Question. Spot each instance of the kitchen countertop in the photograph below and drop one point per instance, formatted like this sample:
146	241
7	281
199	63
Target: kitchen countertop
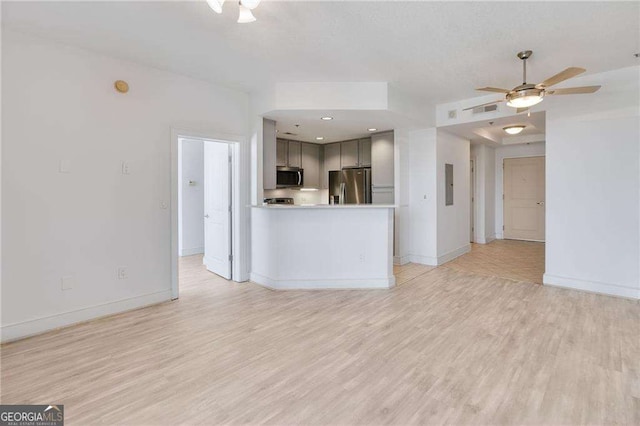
324	206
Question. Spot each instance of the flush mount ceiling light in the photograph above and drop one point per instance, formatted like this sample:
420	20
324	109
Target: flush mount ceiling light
245	7
327	118
372	129
319	138
514	130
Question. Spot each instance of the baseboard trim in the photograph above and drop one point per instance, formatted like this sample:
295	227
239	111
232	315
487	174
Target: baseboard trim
359	284
401	260
591	286
191	251
448	257
423	260
33	327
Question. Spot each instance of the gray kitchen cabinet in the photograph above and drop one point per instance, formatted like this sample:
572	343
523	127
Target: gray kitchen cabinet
295	158
311	164
349	153
282	152
382	168
331	161
364	152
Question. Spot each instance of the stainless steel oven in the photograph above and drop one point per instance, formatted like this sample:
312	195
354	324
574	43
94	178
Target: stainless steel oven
289	177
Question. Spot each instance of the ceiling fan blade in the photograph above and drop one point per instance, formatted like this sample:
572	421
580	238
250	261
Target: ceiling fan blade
573	90
481	105
561	76
493	89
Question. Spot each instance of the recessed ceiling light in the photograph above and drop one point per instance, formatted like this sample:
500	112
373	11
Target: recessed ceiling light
514	130
319	138
372	129
327	118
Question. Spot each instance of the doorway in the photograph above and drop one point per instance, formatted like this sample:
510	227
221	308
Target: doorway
524	198
206	206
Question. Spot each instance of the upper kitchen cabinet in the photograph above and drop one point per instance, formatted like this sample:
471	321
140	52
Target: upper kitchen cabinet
364	152
311	164
282	153
356	153
349	156
331	161
295	159
288	153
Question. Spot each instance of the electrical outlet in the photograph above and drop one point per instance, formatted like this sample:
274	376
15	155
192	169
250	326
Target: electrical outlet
362	258
126	170
122	273
68	282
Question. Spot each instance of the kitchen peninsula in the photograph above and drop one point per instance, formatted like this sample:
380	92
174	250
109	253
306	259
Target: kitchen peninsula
323	246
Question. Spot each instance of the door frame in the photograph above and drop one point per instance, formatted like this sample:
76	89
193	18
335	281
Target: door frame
501	194
473	200
239	193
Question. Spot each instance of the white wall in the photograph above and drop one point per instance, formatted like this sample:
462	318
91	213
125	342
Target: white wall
484	203
59	107
423	197
439	233
593	186
191	197
511	151
402	188
453	221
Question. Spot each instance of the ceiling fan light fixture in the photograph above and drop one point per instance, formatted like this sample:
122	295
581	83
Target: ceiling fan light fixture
245	15
525	98
216	5
250	4
514	130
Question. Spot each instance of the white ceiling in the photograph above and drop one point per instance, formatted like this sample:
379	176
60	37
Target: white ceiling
438	51
491	131
344	126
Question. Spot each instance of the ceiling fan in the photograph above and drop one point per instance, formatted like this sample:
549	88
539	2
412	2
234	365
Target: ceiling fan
527	95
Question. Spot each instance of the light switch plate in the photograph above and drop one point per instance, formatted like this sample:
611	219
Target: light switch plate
68	282
126	170
64	166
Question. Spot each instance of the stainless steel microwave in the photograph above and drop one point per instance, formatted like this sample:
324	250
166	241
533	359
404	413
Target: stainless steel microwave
289	177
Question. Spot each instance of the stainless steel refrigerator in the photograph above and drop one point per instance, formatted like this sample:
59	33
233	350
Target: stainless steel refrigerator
350	186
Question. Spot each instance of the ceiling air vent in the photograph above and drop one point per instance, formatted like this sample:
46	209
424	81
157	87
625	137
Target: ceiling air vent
486	108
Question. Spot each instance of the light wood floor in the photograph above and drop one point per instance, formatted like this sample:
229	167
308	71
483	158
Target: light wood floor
515	260
446	346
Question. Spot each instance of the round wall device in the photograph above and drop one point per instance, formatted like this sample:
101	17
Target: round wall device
121	86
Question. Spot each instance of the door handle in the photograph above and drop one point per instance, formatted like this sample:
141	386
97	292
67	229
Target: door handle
299	178
206	216
540	203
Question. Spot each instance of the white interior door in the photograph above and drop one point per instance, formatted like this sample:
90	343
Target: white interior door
217	208
524	196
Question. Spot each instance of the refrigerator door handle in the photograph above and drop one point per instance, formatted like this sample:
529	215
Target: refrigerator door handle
343	193
367	187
